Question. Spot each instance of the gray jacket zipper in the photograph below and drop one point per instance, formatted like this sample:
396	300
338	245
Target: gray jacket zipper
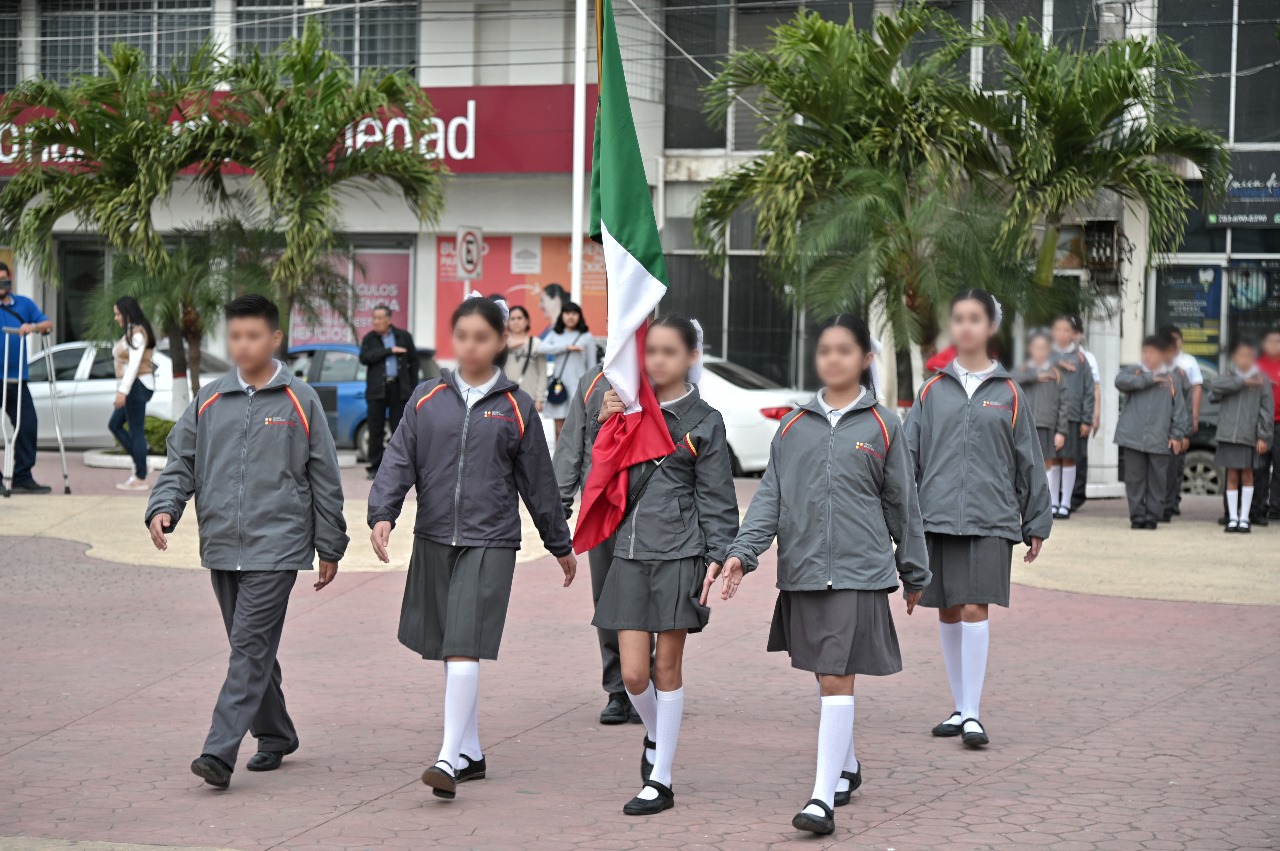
831	442
462	460
968	447
244	456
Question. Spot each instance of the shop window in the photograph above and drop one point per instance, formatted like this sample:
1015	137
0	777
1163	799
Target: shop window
74	32
1199	238
9	30
367	33
1254	299
1255	240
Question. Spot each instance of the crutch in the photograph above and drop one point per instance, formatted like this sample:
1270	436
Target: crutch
57	414
11	439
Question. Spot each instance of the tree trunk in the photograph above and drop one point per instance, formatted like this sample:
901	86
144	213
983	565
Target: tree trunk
193	359
178	357
1048	252
286	314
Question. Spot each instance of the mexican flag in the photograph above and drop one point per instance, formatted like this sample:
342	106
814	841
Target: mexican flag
622	220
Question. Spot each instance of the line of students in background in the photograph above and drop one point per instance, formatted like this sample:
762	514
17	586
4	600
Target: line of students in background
859	503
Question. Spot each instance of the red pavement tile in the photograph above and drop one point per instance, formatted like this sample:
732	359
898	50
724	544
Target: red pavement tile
1117	724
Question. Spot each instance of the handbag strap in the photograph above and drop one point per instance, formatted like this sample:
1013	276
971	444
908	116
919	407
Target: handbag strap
692	419
564	363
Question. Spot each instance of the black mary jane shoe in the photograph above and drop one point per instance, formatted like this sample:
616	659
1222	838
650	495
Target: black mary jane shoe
617	710
638	806
474	770
976	738
442	783
855	780
824	825
1244	528
646	767
212	770
950	727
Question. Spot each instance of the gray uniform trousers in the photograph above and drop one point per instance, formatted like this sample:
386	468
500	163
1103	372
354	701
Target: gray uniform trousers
1266	479
253	604
1146	484
1177	472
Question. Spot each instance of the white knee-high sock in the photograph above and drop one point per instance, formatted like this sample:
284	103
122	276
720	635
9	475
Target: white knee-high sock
670	713
471	736
462	688
952	638
1246	501
1068	485
835	728
1055	484
977	636
646	704
850	756
1233	504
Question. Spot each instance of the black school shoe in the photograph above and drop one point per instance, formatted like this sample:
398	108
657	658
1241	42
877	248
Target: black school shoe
268	760
1260	520
475	769
950	727
30	486
976	738
617	710
646	767
1244	528
638	806
823	825
1135	524
855	780
442	783
212	770
1150	524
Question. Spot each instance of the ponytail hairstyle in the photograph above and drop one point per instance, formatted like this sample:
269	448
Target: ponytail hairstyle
488	310
861	335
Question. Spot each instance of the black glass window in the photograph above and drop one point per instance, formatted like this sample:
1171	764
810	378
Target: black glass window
1198	237
701	27
699	294
1012	12
761	322
9	31
1257	74
1190	23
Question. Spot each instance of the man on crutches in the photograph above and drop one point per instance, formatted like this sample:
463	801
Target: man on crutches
20	313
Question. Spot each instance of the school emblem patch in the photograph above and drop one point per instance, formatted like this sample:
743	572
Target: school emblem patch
279	421
496	415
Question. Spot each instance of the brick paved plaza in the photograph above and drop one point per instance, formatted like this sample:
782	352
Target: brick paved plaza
1117	723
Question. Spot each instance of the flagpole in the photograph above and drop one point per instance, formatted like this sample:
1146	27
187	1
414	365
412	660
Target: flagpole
579	148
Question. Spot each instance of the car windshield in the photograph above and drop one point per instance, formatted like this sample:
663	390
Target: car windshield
209	363
740	376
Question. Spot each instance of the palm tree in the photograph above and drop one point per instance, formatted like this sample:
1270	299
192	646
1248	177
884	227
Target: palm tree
1075	123
287	114
103	150
834	97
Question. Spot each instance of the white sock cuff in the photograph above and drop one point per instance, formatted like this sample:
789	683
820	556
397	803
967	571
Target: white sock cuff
968	626
462	667
649	689
664	696
837	700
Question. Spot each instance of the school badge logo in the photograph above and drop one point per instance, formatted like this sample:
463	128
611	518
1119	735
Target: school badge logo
495	415
279	421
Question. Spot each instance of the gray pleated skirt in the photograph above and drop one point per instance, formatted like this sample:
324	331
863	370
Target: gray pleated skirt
455	600
967	569
1070	447
1235	456
1046	442
836	632
653	596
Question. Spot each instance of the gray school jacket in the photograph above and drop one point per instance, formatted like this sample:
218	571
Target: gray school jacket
1048	400
1245	414
572	460
1184	387
469	466
264	474
838	499
1079	385
689	507
1154	412
978	466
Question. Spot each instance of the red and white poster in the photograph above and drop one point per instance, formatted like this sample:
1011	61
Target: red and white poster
377	277
531	271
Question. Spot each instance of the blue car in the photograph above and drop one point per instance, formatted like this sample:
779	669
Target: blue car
335	371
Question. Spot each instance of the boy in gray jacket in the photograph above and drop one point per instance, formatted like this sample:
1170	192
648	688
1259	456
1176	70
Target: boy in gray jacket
1150	429
254	450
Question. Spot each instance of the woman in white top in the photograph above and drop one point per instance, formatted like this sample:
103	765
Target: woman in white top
134	388
575	353
526	364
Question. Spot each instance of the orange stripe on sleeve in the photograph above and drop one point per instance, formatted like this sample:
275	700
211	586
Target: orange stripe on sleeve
297	406
207	403
688	441
592	388
431	393
924	391
1014	390
519	416
791	423
884	429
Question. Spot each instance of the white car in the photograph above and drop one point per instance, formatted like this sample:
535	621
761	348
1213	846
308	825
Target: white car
86	377
752	407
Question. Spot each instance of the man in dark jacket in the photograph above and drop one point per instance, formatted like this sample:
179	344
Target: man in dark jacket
392	361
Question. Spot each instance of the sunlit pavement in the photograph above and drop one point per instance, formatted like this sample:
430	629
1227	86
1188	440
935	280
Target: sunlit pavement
1117	723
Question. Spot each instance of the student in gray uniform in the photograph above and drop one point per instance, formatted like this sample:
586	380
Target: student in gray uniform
1046	394
471	445
1074	366
1244	395
1150	428
1177	460
573	463
681	515
839	496
980	477
254	450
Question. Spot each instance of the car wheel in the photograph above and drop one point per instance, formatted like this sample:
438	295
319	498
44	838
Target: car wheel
1201	477
362	444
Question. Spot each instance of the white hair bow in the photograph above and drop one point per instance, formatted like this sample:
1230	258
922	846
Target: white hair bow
695	374
999	312
498	300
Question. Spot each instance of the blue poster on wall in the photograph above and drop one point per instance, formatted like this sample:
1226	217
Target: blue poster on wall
1254	292
1190	298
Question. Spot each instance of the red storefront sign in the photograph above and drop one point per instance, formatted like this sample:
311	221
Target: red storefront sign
378	277
476	130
